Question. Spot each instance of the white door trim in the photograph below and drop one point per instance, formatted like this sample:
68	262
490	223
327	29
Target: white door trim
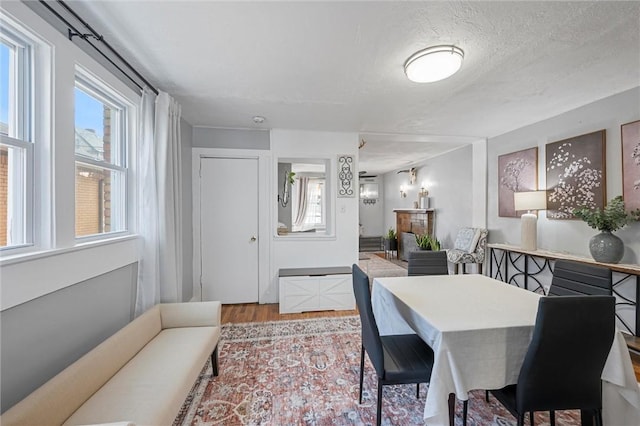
266	294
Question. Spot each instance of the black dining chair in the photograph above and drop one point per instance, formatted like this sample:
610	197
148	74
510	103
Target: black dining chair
578	279
397	359
557	372
427	262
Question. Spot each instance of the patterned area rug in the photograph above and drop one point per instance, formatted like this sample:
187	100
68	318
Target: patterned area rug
306	372
375	266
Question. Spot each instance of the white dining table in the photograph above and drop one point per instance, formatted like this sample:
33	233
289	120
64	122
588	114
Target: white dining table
480	329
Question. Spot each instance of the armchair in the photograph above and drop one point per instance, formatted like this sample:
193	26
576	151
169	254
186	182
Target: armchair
470	247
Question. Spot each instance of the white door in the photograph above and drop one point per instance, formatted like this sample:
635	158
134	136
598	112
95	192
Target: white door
229	229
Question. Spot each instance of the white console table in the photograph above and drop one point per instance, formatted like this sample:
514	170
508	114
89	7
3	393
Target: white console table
315	289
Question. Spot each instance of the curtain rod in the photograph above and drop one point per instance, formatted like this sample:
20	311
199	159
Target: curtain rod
73	32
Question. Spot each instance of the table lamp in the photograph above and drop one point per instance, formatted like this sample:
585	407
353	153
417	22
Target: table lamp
529	201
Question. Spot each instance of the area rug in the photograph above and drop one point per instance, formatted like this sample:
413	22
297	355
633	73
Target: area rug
376	267
306	372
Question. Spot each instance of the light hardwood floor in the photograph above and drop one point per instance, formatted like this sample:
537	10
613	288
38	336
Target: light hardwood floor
253	312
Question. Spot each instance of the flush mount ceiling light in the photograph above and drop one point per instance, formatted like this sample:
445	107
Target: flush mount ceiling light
258	119
433	64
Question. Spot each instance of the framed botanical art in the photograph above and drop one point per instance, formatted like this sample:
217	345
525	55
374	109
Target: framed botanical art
517	171
631	164
575	174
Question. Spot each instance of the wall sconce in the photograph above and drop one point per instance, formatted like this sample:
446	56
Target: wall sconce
403	193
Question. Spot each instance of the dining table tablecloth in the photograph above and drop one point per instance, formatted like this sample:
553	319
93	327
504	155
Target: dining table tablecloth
480	329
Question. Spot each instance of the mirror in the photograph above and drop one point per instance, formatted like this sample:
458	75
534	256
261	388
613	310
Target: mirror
369	191
303	194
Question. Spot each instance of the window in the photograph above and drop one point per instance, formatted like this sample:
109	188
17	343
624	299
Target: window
101	159
313	210
16	144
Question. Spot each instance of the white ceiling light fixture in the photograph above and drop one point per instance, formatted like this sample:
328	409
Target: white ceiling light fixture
433	63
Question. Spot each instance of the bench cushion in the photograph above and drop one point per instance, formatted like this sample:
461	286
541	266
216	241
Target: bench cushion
151	388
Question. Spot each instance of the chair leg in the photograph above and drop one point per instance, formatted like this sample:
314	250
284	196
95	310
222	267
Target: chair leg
379	408
361	372
480	268
599	418
530	418
465	409
214	361
452	409
486	396
552	418
521	419
417	390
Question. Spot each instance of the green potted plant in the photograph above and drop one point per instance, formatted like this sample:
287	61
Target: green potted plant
290	177
427	242
391	240
606	247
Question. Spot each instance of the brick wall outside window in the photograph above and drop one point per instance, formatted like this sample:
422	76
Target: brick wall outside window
93	191
88	194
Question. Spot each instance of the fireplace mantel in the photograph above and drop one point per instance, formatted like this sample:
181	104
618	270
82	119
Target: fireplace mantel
417	221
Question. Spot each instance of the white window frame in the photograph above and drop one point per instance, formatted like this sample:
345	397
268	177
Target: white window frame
119	163
20	141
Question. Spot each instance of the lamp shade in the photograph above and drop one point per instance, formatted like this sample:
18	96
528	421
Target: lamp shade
530	200
433	64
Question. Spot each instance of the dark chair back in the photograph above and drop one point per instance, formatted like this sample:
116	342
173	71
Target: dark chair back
563	365
426	262
578	279
370	334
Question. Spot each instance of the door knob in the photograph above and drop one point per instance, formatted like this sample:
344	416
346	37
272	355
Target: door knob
253	239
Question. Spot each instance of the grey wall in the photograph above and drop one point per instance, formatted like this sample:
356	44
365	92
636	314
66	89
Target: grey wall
43	336
448	179
186	137
570	236
208	137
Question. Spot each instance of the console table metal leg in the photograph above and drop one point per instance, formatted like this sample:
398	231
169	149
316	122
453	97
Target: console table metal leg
637	330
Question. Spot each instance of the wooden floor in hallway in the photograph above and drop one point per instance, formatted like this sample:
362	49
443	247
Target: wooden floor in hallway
254	312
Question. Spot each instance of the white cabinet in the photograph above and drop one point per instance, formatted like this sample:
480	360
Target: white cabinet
316	289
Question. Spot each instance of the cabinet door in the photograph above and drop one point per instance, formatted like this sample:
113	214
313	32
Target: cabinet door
336	292
298	294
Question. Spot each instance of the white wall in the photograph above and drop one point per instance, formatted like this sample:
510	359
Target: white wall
448	178
570	236
371	216
341	249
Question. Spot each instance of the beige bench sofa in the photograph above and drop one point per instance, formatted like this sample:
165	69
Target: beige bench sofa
142	374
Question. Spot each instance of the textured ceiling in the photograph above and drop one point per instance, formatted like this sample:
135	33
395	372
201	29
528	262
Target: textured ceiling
338	65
